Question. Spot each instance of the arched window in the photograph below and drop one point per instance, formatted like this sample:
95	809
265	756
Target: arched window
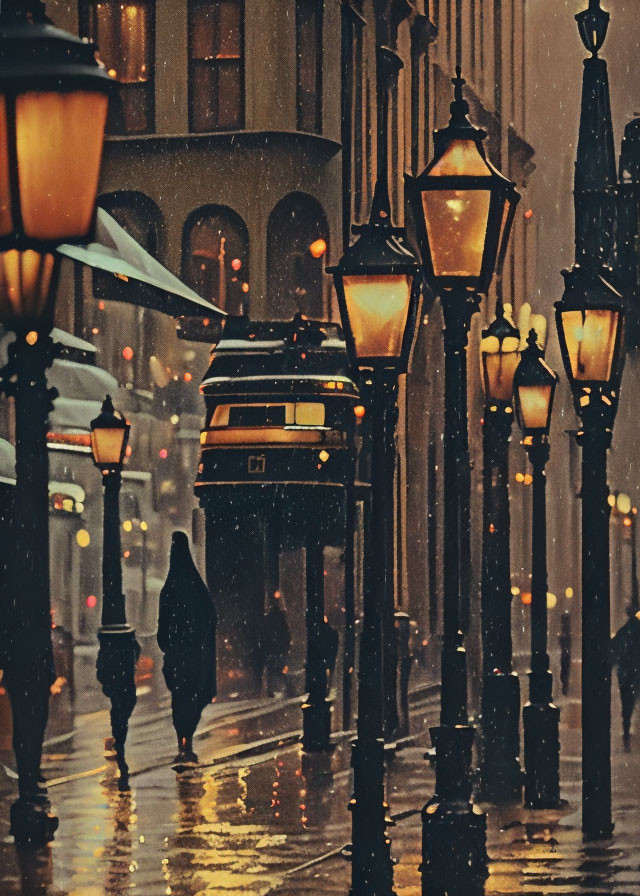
124	33
297	245
309	65
216	64
215	257
125	336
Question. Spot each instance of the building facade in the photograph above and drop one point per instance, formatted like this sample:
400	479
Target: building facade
240	148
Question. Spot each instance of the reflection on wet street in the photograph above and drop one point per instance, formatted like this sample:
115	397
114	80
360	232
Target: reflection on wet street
258	818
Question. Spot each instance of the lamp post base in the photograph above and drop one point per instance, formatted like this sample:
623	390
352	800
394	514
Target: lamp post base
454	831
541	755
372	865
500	772
316	726
32	823
115	666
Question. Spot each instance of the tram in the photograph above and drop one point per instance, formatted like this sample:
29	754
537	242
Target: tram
277	454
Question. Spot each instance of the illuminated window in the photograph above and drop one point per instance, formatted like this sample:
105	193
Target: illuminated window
309	65
216	63
124	34
295	278
216	257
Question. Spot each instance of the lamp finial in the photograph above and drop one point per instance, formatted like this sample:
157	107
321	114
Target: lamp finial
459	107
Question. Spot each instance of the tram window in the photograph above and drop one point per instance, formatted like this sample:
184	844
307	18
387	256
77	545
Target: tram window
257	415
309	413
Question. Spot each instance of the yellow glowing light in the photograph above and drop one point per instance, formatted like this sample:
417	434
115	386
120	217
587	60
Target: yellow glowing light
32	337
143	526
552	600
127	525
324	456
83	538
175	419
519	477
624	503
318	248
611	500
515	591
528	478
568	592
378	308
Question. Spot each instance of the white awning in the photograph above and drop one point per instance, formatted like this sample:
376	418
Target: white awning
129	274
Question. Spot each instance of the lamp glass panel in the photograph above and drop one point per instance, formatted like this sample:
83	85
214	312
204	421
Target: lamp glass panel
499	368
59	146
378	306
460	158
107	444
533	406
590	338
25	281
6	218
456	223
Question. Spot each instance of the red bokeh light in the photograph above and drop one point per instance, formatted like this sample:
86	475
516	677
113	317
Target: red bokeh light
92	600
236	264
127	353
187	377
128	451
359	411
163	453
318	248
528	214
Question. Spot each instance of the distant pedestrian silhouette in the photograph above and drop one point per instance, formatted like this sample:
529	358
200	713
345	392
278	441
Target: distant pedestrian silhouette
564	640
275	642
625	654
187	637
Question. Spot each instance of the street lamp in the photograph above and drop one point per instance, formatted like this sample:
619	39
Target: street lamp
378	282
119	650
53	104
501	775
590	322
463	209
534	387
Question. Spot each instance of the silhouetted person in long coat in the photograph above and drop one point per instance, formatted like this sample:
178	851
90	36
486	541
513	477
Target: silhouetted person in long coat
187	637
625	654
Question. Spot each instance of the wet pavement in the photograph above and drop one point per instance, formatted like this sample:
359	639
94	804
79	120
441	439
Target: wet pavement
257	819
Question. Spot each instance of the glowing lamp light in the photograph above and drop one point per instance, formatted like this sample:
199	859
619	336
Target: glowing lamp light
127	526
525	597
534	385
318	248
53	108
83	538
163	453
623	503
528	214
359	410
378	284
127	353
187	377
552	600
499	357
627	521
590	323
91	601
236	264
568	592
109	437
462	205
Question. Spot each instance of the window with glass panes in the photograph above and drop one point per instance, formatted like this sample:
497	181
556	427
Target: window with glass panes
124	35
216	257
309	65
216	64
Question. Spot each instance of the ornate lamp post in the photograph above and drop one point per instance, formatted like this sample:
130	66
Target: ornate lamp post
501	775
589	319
53	96
378	283
534	387
119	650
590	327
463	209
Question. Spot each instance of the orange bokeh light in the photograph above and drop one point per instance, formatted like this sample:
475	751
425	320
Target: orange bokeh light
318	248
